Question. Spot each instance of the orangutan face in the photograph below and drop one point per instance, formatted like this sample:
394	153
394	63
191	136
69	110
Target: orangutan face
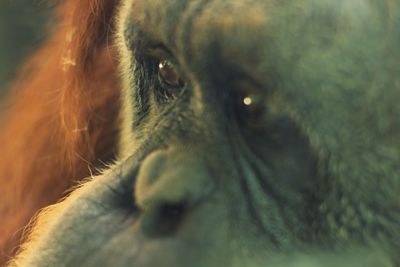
255	133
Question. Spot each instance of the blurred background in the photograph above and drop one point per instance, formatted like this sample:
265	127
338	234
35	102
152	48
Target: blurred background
23	26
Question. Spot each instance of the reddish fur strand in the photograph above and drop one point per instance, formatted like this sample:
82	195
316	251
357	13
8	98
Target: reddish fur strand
62	120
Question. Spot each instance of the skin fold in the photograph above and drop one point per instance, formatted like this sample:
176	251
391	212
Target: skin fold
306	175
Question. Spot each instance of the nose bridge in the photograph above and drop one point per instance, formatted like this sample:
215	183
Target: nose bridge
170	177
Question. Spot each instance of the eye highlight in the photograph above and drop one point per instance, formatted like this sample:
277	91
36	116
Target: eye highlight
247	101
250	109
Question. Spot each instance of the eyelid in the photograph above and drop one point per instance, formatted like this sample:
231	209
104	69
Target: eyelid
159	52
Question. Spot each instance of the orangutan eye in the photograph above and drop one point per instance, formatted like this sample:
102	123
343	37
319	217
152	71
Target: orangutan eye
250	108
168	73
170	78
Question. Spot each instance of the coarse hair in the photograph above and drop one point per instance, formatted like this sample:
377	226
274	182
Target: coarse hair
61	119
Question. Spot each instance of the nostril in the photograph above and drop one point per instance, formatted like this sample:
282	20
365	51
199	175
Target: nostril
163	220
172	212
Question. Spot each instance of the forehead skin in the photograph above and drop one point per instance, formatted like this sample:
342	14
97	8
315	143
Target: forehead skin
249	29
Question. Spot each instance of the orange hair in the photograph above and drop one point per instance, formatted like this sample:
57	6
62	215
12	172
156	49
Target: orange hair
61	120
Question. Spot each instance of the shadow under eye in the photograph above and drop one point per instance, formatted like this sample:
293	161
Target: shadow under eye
282	138
283	123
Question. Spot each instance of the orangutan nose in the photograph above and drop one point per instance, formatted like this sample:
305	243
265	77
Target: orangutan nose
169	183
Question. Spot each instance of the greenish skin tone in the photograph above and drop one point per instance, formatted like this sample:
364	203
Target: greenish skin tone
312	181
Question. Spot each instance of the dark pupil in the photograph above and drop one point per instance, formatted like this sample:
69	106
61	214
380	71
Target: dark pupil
168	73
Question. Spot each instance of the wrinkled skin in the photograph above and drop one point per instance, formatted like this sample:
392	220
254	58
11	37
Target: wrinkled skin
206	181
